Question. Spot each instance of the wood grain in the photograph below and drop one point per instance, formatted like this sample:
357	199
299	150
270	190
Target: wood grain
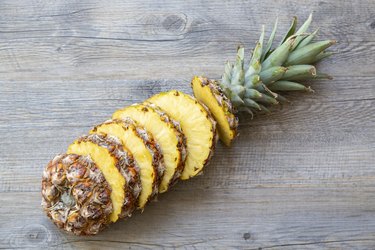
41	40
301	178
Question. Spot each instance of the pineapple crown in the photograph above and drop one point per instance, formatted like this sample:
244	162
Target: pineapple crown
255	86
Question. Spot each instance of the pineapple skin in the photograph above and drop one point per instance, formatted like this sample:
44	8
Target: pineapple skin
75	194
123	163
157	156
182	107
174	162
210	94
153	168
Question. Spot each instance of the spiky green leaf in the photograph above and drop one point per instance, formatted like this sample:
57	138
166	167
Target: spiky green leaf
307	54
252	104
287	86
272	74
291	30
322	55
299	72
278	57
302	30
270	41
307	40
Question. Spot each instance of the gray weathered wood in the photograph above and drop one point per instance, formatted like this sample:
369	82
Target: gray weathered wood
303	177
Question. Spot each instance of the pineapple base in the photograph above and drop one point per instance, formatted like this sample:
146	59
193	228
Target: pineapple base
75	194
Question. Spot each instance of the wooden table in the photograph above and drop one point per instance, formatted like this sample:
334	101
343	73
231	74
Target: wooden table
301	178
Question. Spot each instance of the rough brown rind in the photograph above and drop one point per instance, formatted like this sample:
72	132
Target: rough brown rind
125	164
215	133
75	194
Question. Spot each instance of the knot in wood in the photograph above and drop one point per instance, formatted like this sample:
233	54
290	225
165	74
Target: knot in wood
174	22
246	236
30	236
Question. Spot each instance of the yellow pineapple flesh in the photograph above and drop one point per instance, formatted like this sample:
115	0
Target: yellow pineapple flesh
132	142
197	125
165	135
209	93
112	161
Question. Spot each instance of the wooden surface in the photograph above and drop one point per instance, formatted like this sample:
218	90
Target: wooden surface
302	178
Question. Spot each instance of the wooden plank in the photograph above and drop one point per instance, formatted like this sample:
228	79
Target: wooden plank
55	113
92	40
207	218
285	181
302	178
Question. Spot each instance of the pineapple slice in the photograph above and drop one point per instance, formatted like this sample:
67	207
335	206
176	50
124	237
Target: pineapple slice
197	125
165	133
210	94
131	139
118	168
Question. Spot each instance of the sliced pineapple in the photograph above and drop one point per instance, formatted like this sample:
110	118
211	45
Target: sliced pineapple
167	136
139	147
197	125
180	137
118	168
210	94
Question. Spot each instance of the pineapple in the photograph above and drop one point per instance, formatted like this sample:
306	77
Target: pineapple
197	125
75	194
145	152
98	180
255	86
166	134
118	168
